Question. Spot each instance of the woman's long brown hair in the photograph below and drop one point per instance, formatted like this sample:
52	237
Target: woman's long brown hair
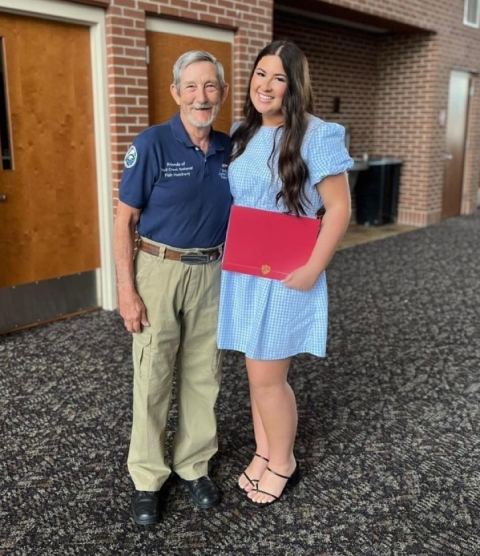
297	104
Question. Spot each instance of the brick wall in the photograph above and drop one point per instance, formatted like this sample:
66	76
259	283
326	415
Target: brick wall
405	117
392	89
342	65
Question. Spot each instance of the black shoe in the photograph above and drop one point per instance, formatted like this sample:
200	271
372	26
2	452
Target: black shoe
203	492
145	507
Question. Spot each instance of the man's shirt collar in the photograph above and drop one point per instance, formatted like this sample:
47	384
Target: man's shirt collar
180	134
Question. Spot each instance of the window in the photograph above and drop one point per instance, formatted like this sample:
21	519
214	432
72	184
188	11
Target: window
471	16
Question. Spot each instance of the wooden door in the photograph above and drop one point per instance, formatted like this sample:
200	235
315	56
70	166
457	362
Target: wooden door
164	50
49	237
457	125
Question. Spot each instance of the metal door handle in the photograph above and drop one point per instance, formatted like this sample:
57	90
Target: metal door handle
3	198
447	156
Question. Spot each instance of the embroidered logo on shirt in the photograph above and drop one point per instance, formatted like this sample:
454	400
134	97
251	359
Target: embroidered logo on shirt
177	170
223	173
131	157
265	269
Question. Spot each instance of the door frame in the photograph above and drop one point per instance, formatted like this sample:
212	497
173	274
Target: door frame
94	18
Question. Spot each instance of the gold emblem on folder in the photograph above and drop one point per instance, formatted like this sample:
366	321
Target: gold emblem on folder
265	269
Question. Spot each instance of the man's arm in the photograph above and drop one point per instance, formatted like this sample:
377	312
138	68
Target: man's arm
130	304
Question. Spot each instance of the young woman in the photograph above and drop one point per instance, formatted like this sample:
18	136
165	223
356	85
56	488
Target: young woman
284	159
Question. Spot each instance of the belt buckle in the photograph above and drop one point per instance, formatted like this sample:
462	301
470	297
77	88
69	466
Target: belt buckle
194	257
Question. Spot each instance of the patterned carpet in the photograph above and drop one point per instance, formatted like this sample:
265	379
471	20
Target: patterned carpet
389	431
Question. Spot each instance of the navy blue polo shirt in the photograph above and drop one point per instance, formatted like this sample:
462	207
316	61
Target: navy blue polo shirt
182	192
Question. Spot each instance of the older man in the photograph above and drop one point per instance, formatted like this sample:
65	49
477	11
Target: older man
174	192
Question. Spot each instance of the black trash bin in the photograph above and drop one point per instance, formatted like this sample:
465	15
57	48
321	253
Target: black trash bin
377	190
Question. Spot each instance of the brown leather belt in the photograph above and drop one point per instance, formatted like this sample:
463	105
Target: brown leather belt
192	256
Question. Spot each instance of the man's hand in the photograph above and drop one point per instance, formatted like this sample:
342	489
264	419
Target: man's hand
133	312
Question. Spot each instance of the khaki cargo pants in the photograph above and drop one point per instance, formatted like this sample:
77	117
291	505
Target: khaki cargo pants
182	308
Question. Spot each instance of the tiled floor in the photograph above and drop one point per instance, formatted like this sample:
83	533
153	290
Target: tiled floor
357	233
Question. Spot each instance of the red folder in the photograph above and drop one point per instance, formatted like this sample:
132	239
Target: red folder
268	244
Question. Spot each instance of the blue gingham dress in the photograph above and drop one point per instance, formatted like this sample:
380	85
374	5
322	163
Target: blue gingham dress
259	316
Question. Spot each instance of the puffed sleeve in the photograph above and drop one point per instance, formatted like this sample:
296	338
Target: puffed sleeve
326	154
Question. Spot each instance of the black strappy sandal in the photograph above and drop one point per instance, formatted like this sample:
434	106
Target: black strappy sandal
253	482
292	481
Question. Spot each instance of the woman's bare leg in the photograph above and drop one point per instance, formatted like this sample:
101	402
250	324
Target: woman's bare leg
257	465
277	410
